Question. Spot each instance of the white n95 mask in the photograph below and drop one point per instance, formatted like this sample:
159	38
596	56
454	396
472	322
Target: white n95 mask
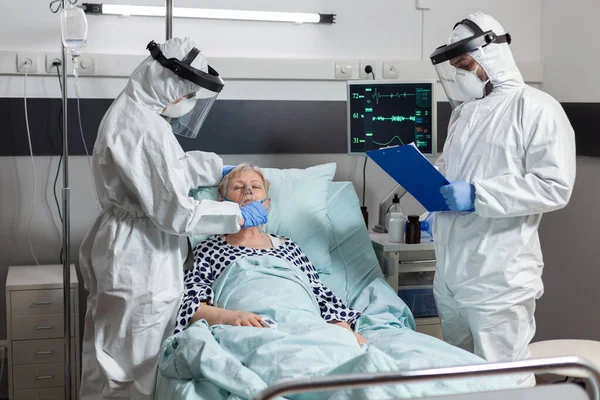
469	83
180	108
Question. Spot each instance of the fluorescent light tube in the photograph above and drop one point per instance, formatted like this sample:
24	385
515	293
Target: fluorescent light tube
206	13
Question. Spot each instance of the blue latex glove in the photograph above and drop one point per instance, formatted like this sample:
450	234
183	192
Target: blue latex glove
460	196
227	169
254	214
427	224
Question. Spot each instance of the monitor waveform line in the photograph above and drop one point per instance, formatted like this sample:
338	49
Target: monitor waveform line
395	118
377	95
390	141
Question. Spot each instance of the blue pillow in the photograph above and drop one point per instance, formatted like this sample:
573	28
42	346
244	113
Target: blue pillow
298	209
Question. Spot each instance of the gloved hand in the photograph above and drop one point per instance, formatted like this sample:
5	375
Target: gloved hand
427	224
460	196
227	169
254	214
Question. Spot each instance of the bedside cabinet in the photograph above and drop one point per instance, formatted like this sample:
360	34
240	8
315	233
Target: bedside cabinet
35	330
409	270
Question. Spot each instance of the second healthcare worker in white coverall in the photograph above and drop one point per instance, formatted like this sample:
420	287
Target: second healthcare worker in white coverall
132	260
510	157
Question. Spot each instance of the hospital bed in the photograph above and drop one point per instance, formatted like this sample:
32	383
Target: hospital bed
354	269
543	392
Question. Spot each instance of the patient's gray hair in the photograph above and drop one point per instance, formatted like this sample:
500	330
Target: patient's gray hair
241	168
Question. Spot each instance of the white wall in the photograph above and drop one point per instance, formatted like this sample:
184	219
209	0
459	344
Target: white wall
378	29
570	62
381	29
570	236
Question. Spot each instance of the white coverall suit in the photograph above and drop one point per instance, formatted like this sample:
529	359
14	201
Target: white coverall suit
517	147
132	258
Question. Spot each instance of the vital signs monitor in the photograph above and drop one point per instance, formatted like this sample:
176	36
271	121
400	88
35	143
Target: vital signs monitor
390	113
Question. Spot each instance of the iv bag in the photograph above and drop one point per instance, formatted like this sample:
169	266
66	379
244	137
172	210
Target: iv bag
74	28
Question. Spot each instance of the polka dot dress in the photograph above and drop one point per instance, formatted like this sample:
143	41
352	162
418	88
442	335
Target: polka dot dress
212	256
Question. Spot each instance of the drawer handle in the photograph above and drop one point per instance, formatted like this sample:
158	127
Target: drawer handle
43	327
45	377
44	353
418	262
42	303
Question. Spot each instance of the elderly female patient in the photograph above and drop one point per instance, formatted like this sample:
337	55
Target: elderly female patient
246	184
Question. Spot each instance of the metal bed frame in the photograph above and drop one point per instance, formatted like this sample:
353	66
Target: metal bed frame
349	381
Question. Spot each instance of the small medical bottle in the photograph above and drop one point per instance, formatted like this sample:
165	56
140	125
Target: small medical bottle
396	227
394	207
413	230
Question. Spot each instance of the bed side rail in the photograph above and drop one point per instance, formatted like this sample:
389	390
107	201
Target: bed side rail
350	381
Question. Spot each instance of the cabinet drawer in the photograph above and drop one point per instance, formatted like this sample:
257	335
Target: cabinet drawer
41	351
416	266
39	326
44	394
40	376
35	302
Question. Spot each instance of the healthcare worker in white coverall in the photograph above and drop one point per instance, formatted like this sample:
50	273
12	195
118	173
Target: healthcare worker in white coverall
510	157
132	259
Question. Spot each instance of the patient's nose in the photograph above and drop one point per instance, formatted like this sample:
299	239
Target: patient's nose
248	191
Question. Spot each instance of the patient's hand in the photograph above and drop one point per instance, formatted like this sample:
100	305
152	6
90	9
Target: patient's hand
215	315
361	340
241	318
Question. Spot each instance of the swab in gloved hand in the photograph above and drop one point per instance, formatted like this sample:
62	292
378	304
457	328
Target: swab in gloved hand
254	214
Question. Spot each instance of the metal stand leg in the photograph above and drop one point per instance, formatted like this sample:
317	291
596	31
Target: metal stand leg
66	229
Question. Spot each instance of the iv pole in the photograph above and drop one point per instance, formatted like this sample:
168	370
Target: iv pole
66	227
66	192
169	18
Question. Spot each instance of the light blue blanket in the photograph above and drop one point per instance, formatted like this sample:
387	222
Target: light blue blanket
228	362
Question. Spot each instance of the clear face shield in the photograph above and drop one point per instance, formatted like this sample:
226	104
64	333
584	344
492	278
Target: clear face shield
187	116
461	85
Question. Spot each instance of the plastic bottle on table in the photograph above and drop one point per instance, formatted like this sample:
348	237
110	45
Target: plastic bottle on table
396	227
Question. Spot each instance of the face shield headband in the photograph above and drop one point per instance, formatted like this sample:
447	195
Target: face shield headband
209	81
479	39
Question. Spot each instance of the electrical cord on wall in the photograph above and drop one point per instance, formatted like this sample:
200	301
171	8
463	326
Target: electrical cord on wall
60	129
369	70
363	209
365	213
27	64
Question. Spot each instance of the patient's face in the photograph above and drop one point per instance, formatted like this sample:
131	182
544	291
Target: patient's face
246	188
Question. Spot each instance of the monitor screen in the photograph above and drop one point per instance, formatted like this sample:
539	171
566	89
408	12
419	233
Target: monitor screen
383	114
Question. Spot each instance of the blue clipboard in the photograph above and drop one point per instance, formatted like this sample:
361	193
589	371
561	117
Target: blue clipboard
407	165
